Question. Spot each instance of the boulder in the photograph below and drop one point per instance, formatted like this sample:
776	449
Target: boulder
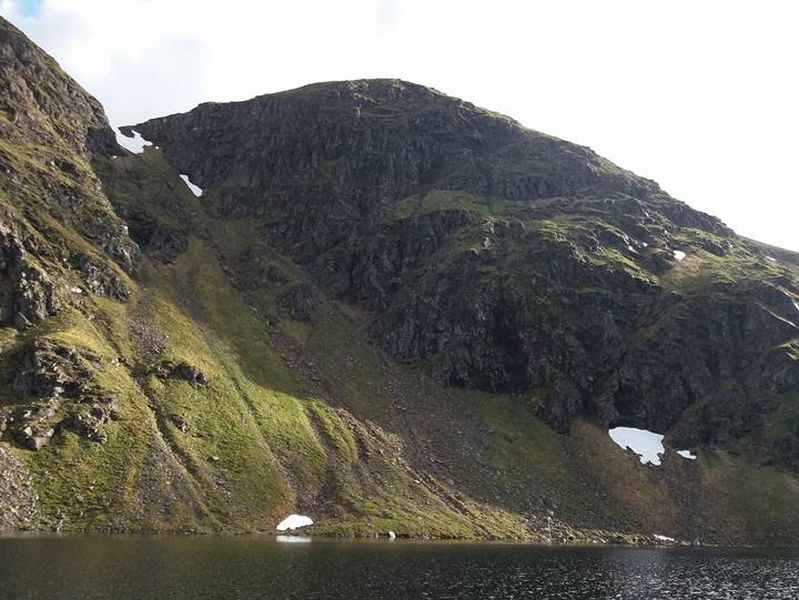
34	439
183	371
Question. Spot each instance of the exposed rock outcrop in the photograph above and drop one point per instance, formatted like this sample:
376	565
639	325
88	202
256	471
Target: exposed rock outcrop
62	393
183	371
27	294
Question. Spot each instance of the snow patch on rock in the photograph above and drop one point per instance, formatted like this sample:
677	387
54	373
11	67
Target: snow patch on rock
646	444
195	189
679	254
294	522
135	143
687	454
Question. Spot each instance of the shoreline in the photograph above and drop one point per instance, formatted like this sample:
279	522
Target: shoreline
643	543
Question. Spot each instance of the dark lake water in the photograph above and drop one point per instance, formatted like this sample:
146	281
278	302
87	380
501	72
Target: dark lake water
68	568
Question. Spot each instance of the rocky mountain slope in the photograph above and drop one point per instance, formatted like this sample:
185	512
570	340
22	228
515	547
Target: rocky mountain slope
388	309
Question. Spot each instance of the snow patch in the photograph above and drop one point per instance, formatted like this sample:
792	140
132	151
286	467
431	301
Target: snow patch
687	454
663	538
630	248
196	190
771	258
646	444
294	522
135	143
646	244
679	254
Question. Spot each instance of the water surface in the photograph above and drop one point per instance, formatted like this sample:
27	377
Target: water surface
263	568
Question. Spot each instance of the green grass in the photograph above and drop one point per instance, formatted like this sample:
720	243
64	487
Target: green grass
531	459
750	501
440	200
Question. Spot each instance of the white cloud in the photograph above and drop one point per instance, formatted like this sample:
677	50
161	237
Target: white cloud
697	95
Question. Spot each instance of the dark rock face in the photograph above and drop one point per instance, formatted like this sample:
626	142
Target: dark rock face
48	370
504	259
164	243
36	91
593	338
99	278
27	295
328	159
42	107
369	272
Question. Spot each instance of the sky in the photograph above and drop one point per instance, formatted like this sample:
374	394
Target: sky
699	95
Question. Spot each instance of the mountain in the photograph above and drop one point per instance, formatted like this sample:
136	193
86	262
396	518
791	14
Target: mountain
384	308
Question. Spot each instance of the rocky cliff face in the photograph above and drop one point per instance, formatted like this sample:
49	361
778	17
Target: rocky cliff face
49	129
389	309
59	239
504	259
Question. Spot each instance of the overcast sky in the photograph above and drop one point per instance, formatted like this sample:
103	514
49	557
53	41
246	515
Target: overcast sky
700	95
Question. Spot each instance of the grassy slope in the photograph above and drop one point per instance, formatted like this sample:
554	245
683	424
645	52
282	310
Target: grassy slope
240	453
